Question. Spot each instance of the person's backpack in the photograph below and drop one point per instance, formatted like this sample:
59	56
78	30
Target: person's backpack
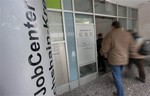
145	48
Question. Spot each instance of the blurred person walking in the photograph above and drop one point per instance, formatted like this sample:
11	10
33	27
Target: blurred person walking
116	46
136	58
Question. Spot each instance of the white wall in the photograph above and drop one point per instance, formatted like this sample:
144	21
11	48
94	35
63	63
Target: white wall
144	20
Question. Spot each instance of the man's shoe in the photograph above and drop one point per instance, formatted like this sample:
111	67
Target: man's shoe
115	93
140	79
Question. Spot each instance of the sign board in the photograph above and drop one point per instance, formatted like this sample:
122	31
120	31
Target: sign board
26	55
85	44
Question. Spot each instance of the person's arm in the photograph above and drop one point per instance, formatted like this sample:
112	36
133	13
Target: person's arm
132	47
105	45
140	41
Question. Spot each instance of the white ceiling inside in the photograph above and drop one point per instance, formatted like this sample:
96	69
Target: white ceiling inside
130	3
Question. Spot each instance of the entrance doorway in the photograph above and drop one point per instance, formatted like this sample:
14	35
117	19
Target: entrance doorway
103	26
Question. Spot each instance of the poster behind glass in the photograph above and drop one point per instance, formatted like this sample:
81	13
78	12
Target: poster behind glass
85	44
60	64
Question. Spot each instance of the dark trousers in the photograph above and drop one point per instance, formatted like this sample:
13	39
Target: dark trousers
140	65
101	63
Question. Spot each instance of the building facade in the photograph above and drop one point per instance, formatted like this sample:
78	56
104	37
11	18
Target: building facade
73	25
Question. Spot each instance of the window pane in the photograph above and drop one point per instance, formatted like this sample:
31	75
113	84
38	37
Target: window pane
67	4
86	19
83	5
123	22
55	26
135	26
105	8
122	11
132	13
132	24
135	13
60	65
99	7
87	69
56	4
69	22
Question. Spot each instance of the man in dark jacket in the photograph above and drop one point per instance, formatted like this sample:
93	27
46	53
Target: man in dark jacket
101	61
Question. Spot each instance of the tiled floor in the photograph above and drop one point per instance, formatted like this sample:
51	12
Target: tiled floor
104	85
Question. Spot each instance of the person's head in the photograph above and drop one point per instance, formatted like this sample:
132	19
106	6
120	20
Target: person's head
135	35
99	35
116	24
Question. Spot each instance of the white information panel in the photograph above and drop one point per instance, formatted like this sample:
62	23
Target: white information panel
60	64
85	44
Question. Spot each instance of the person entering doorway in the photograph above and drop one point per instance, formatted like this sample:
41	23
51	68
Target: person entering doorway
101	59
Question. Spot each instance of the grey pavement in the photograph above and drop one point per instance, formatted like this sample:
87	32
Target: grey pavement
104	85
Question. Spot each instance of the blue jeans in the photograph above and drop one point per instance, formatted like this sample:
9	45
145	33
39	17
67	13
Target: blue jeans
117	75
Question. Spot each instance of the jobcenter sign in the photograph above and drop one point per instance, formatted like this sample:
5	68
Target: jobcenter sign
26	55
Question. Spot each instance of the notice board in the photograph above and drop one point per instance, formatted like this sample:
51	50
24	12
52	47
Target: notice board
85	44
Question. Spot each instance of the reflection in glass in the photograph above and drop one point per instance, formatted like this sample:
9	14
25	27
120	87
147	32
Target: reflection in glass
67	4
60	65
108	8
85	19
55	26
83	5
123	22
122	11
87	69
70	33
